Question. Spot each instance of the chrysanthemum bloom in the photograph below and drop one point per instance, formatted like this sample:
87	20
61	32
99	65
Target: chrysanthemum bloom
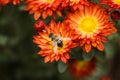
15	2
115	15
55	42
112	3
75	4
4	2
92	25
42	8
81	69
105	78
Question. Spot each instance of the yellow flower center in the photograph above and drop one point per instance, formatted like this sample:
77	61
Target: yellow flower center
82	64
50	1
88	25
117	1
74	1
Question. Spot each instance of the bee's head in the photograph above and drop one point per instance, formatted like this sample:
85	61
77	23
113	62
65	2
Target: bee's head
50	35
60	43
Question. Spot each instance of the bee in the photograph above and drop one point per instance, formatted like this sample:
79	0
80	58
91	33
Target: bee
56	40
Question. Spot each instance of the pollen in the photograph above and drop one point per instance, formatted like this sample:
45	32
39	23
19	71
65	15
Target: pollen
88	25
48	0
81	64
117	1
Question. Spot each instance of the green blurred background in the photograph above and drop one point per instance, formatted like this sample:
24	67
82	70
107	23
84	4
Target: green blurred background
18	54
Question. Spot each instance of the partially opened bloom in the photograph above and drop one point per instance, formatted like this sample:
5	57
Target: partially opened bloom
112	3
81	69
115	15
39	25
92	25
42	8
75	4
55	42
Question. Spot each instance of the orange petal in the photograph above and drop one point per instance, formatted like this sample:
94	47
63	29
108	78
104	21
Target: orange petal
57	58
28	7
66	55
37	15
52	59
63	59
94	44
44	15
100	46
14	2
87	47
103	39
59	13
46	59
114	29
49	12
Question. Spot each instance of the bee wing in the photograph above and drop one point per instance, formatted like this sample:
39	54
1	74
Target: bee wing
55	46
65	38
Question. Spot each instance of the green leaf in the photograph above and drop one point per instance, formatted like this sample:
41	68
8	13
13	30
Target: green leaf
109	50
3	40
113	36
62	67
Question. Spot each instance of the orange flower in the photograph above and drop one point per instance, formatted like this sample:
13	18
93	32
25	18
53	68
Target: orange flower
55	42
75	4
105	78
42	7
112	3
4	2
81	69
15	2
92	25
